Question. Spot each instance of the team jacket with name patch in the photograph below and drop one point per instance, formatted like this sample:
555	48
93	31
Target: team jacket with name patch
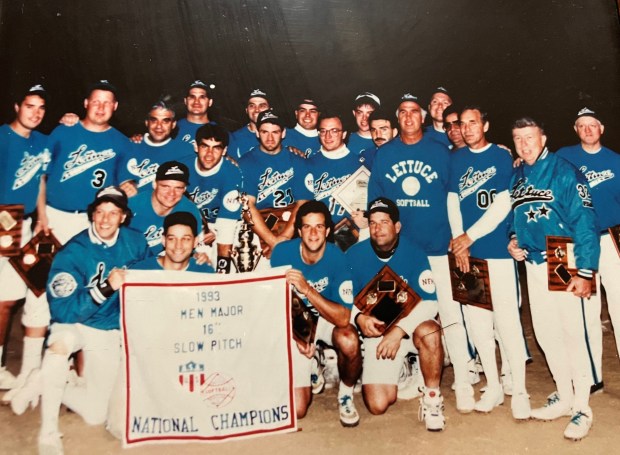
552	197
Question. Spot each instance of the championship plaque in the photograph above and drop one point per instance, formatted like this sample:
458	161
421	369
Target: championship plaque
11	219
276	220
387	297
473	287
352	194
345	234
561	266
614	231
304	321
35	260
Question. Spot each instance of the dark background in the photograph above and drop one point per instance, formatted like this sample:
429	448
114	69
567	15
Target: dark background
545	58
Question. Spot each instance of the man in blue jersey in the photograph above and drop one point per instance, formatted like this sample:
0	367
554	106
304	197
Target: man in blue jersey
601	167
440	99
215	183
417	332
246	137
478	206
82	291
24	156
331	167
84	160
320	276
414	171
363	106
137	168
198	101
273	178
304	136
151	207
550	197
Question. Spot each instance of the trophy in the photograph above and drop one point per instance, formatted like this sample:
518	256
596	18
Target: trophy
387	297
561	266
35	261
303	321
473	287
11	219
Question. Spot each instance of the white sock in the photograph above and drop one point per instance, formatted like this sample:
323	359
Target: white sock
344	389
54	369
31	358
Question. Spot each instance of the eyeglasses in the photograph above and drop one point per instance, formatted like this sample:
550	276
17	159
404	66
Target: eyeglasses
447	126
332	131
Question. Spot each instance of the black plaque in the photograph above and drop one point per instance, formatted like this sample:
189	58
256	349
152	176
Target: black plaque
304	321
473	287
35	260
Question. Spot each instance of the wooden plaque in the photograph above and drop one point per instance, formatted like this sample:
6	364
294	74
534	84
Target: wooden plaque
614	231
35	260
11	220
473	287
345	234
561	265
387	297
276	220
303	321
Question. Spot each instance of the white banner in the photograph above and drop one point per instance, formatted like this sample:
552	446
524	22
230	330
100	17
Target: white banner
207	357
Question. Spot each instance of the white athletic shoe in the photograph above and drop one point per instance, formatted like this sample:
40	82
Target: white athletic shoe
29	394
51	444
431	410
349	416
465	401
317	379
553	409
410	379
579	425
19	383
7	380
491	398
520	406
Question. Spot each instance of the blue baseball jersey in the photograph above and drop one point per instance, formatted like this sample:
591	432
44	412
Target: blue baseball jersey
152	263
241	141
476	177
215	192
275	181
187	130
83	162
150	224
141	161
552	197
602	171
357	144
83	264
439	136
367	157
416	178
304	140
408	261
326	172
22	162
330	276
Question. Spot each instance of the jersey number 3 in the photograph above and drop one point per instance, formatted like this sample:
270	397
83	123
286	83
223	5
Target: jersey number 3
98	178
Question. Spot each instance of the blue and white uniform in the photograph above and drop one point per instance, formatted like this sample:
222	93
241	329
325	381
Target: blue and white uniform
411	264
305	140
602	171
141	161
479	203
357	144
416	178
187	130
150	224
439	136
216	195
83	162
152	263
241	141
551	197
330	277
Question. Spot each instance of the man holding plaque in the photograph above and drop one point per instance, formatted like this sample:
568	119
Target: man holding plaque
82	292
478	205
24	156
413	170
550	197
322	279
601	167
417	331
